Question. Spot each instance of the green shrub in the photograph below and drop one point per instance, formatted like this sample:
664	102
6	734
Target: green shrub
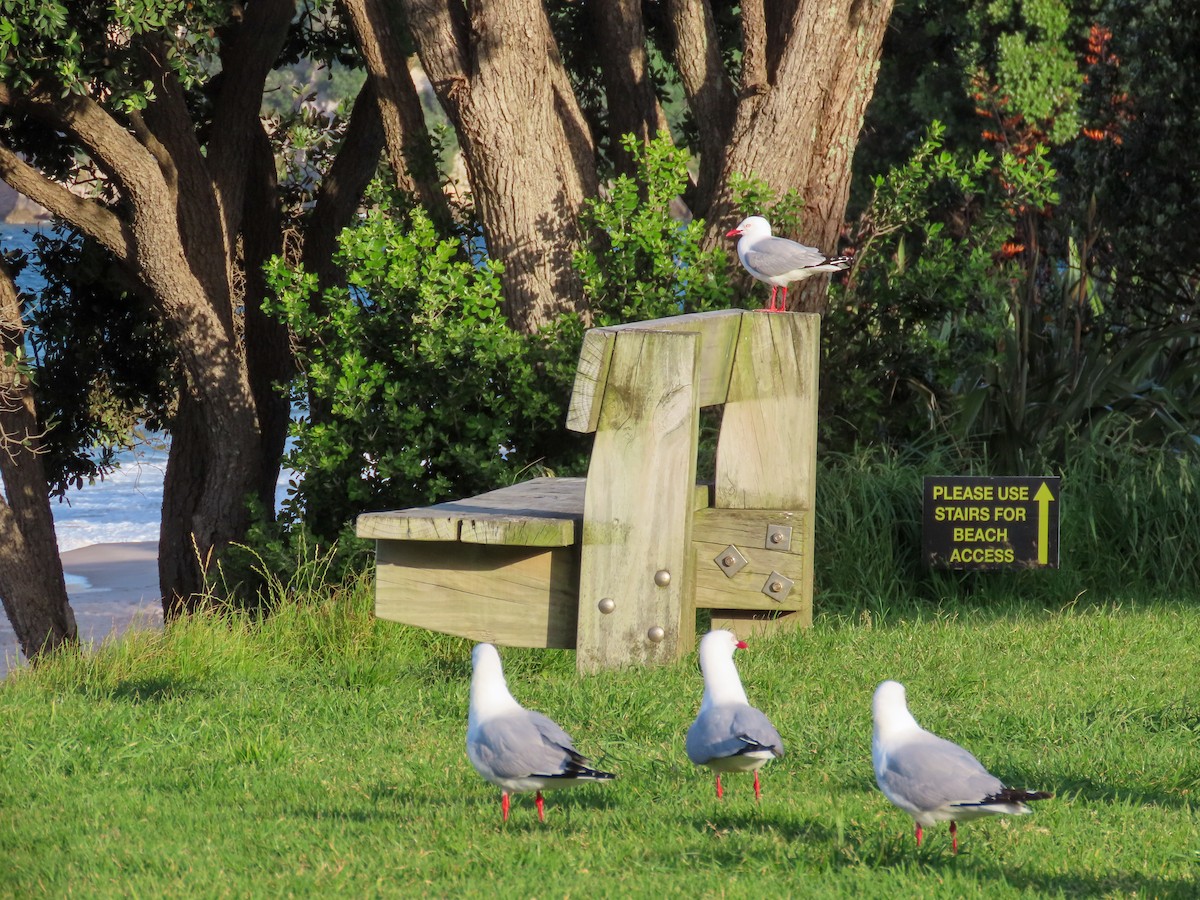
416	388
426	391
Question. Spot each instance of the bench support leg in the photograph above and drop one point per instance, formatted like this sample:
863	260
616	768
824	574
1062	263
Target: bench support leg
636	591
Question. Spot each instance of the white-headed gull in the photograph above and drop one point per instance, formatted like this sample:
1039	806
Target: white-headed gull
514	748
931	778
729	735
778	261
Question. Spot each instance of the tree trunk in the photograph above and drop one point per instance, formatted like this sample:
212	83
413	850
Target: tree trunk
803	93
409	148
496	69
269	361
633	107
709	94
32	587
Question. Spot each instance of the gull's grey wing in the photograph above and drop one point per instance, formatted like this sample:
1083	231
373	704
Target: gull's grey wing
776	256
729	730
522	744
929	772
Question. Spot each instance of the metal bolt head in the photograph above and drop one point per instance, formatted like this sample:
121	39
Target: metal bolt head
662	578
776	537
778	586
607	605
727	561
656	634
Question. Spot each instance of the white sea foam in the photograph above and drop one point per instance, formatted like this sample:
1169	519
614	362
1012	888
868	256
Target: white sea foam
126	505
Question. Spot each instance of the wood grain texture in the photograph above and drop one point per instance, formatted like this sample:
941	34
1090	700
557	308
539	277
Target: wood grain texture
767	449
718	331
638	505
713	530
516	597
766	452
541	512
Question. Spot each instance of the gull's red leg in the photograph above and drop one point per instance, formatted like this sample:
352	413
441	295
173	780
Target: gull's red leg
720	790
954	836
504	804
920	834
541	807
757	790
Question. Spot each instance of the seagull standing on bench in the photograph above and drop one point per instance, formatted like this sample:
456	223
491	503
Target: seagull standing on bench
931	778
778	261
514	748
729	735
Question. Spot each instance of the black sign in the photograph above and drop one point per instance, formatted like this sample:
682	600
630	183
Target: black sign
990	523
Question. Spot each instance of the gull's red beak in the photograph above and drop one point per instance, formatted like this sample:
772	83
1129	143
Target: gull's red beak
742	645
733	232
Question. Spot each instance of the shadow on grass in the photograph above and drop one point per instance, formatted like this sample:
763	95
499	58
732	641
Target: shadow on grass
151	690
862	848
719	822
391	802
1073	788
1123	884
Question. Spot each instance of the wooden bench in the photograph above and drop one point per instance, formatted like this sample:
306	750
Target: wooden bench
616	565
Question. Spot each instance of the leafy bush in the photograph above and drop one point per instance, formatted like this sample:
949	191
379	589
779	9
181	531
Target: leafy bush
428	392
416	388
646	263
929	299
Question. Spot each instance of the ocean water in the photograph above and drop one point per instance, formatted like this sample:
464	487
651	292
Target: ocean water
127	504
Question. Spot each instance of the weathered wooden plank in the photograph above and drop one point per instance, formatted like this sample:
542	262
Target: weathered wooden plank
638	505
714	530
590	374
541	512
766	453
513	596
718	332
767	449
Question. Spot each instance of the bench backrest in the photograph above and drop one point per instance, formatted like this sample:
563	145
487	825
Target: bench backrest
640	387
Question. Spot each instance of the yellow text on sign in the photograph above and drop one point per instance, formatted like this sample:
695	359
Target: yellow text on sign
979	513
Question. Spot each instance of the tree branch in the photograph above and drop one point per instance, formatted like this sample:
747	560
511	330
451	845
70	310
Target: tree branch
754	48
245	67
709	93
88	216
409	148
633	107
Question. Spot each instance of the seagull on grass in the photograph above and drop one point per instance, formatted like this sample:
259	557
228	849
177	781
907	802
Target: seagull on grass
514	748
778	261
931	778
729	735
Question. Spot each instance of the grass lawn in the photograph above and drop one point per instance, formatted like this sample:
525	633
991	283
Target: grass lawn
322	754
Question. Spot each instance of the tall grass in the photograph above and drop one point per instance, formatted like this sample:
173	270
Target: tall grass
1127	521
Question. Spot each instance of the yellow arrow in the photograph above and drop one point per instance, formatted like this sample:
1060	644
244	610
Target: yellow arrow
1044	498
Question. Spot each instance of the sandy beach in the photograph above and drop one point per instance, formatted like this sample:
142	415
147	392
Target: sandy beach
120	591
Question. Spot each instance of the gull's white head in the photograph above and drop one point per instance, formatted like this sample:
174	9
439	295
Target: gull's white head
752	227
489	690
486	657
722	684
889	707
718	644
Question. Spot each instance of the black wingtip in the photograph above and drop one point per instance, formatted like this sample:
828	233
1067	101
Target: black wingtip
1016	795
574	771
